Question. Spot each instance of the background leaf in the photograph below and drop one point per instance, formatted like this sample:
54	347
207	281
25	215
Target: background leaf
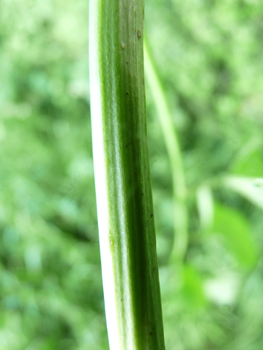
237	234
249	163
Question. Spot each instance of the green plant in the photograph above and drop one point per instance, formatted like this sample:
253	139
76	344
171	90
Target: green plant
122	176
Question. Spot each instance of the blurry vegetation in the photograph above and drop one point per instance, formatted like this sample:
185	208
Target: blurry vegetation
208	57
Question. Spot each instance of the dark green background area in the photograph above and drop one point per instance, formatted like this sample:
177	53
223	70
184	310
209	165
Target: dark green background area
209	56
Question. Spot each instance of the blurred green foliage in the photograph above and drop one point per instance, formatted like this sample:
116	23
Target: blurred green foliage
209	58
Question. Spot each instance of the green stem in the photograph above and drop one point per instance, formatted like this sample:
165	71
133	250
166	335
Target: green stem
175	157
122	176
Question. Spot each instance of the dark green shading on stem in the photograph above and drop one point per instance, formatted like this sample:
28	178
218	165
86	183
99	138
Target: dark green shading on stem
122	175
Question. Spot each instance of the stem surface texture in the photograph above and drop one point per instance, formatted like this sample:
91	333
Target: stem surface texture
122	176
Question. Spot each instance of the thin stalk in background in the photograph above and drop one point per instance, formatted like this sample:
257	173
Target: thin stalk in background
122	176
175	158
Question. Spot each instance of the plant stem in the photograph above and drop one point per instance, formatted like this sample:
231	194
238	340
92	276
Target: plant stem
175	157
122	176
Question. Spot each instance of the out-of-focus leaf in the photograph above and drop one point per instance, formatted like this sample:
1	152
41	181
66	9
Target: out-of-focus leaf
192	288
237	234
250	188
250	164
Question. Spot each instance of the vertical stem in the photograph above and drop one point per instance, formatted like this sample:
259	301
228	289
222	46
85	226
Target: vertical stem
122	176
175	156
